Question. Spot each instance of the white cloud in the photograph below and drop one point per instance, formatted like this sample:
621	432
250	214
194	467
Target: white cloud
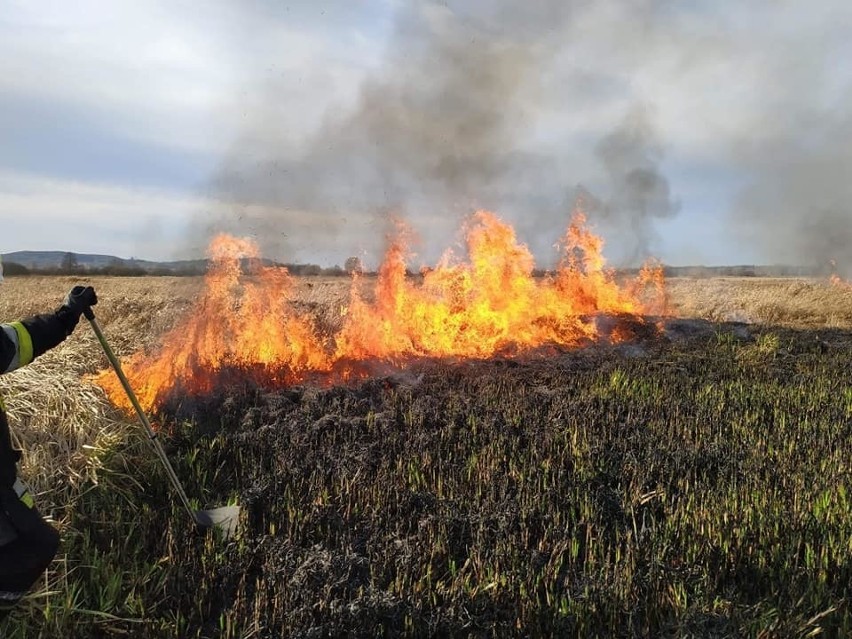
39	213
167	73
47	214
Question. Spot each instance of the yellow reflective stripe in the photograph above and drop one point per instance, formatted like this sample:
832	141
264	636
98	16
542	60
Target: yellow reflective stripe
23	493
25	344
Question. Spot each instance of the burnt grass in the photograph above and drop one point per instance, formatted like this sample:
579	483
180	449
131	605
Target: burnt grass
694	484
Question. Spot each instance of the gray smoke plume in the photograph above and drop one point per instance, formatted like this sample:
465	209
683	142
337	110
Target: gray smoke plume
797	204
444	126
792	153
638	192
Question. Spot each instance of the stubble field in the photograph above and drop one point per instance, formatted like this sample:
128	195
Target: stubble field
695	482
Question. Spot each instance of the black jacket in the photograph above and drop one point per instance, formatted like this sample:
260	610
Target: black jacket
20	343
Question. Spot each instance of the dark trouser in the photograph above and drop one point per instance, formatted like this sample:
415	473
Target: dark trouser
23	560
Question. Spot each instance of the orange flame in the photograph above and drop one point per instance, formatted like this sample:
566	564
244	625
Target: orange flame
240	322
490	303
836	280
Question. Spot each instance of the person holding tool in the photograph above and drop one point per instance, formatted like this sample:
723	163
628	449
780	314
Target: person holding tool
27	542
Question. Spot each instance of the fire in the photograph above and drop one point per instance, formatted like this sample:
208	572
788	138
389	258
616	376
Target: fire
836	280
491	302
243	323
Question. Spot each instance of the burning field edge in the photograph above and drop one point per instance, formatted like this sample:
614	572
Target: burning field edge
694	481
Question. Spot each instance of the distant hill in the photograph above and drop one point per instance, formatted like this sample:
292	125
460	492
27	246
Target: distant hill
53	260
58	262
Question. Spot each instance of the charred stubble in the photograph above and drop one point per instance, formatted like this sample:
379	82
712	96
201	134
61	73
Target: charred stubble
691	487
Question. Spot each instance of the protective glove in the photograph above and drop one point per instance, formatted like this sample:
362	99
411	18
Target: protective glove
76	302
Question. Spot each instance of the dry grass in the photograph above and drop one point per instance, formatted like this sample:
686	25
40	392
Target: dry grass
793	303
63	423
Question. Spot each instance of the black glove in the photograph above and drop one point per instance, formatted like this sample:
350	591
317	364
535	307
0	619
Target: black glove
76	302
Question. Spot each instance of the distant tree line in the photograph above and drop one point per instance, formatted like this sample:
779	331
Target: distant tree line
746	270
12	268
70	265
118	270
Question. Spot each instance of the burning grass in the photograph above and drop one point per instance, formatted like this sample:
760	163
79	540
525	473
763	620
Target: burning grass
480	306
696	483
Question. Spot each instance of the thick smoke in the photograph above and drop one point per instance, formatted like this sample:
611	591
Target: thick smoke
638	192
792	153
446	124
797	205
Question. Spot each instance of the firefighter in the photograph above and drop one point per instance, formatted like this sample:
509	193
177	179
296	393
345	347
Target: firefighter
28	543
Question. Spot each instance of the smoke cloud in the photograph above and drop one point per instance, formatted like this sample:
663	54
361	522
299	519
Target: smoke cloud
450	121
791	153
797	204
508	106
638	192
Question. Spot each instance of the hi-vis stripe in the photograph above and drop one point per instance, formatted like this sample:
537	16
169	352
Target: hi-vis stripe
20	337
23	493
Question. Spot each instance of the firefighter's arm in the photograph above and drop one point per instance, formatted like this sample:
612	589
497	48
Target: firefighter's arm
21	342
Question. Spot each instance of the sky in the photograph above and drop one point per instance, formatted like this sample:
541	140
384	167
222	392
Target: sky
697	132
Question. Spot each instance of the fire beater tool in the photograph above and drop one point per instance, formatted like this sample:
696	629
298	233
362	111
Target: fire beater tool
224	518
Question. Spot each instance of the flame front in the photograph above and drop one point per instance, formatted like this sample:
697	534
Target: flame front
240	324
835	280
243	322
839	282
493	301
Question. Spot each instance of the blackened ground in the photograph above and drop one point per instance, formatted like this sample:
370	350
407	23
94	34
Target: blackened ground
692	484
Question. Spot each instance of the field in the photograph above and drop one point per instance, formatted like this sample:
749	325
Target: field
695	482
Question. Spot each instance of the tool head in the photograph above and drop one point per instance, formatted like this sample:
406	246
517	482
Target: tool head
224	519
